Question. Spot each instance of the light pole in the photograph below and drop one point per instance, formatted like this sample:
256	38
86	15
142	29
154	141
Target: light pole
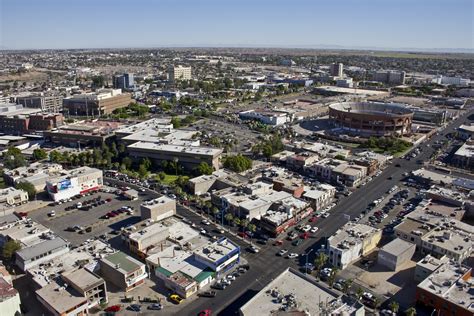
306	265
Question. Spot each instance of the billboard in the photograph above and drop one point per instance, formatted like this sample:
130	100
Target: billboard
64	184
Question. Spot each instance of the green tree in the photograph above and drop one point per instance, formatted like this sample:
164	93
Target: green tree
238	163
229	218
410	312
236	221
39	154
215	211
204	168
359	293
55	156
28	188
243	224
319	262
13	158
346	286
143	171
394	306
9	248
252	228
98	81
176	121
161	175
332	276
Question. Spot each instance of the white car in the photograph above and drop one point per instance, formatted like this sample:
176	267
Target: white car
203	231
306	228
230	277
292	255
253	249
314	229
325	215
52	214
205	222
282	252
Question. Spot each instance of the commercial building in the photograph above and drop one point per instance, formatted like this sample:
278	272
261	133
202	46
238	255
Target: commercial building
336	70
176	73
15	119
49	103
9	296
187	156
452	81
123	271
140	242
266	117
464	156
465	132
50	248
319	196
219	256
395	254
10	197
390	77
448	290
338	172
61	300
85	133
26	232
426	266
294	293
371	118
351	242
333	91
104	101
124	81
218	180
36	173
73	182
88	284
158	209
430	115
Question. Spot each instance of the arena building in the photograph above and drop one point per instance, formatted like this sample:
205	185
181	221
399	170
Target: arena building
371	118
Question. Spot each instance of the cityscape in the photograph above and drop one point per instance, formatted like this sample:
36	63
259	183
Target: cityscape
320	174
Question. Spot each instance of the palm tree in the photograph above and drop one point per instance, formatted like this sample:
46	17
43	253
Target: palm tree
320	261
347	285
332	276
236	221
229	218
359	293
243	224
410	312
377	302
215	211
394	306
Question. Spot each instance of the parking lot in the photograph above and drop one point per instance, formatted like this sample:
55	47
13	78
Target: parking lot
79	224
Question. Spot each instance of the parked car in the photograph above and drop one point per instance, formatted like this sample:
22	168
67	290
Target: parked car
206	312
113	308
155	306
176	298
282	252
134	308
208	294
292	255
253	249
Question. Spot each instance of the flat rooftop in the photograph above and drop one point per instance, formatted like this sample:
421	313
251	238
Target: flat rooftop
193	150
155	123
466	150
41	248
350	234
397	247
83	278
60	298
215	250
290	286
124	263
354	91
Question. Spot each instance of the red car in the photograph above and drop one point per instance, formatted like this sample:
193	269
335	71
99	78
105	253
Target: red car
108	200
110	214
313	219
304	236
113	308
278	243
22	214
243	235
206	312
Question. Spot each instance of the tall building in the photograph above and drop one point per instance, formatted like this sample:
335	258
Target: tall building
125	81
336	69
104	101
390	76
47	103
176	73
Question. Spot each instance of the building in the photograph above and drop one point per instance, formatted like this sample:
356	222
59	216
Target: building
49	103
187	156
176	73
158	209
62	300
345	83
41	252
103	101
351	242
390	77
9	296
452	81
11	197
26	232
14	118
140	242
124	81
319	196
266	117
123	271
73	182
87	284
371	118
336	70
426	266
436	117
36	173
465	132
218	180
339	172
289	184
219	256
395	254
464	156
448	290
85	133
294	293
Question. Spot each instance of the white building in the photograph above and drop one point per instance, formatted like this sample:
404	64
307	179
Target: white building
41	252
176	73
9	296
351	242
74	182
266	117
452	81
319	196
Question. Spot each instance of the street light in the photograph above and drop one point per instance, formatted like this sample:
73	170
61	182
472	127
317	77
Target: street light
306	265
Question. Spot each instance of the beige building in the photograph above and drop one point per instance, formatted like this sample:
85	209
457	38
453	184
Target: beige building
158	209
176	73
87	284
123	271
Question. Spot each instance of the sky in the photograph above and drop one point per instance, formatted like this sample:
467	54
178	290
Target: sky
385	24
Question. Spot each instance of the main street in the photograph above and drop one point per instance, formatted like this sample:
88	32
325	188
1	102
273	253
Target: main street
265	265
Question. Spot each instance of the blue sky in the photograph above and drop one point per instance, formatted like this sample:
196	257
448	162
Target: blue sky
283	23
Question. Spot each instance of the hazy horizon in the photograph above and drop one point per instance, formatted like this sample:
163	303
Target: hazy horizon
404	25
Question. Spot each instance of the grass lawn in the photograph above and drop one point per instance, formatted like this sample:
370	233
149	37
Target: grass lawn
170	178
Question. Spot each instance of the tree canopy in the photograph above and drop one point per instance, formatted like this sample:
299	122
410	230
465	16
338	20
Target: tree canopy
237	163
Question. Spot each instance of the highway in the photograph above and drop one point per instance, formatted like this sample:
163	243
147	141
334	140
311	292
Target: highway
265	265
